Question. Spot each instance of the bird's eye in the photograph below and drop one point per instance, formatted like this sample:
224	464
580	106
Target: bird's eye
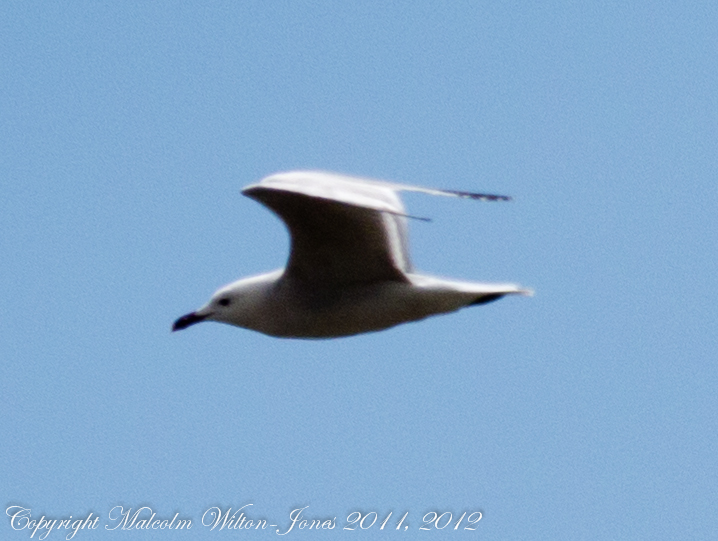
224	302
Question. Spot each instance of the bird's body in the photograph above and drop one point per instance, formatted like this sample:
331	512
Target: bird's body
349	270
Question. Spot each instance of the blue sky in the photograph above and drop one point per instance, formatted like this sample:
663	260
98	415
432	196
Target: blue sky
586	412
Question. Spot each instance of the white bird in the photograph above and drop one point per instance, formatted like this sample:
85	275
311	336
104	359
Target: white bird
348	271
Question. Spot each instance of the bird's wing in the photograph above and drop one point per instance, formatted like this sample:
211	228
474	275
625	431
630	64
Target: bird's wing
344	229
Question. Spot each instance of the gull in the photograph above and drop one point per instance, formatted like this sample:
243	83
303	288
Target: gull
348	271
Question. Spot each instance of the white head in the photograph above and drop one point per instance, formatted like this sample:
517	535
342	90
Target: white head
239	303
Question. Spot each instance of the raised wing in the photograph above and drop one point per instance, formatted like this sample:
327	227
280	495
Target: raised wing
344	231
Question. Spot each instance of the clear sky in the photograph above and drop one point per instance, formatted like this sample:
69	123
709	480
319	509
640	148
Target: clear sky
589	411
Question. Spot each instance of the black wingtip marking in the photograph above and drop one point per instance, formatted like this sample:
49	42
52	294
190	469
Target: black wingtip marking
480	196
408	216
485	299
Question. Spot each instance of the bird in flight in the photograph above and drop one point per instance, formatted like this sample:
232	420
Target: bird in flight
349	270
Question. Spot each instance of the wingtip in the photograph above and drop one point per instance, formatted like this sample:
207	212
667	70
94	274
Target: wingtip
480	196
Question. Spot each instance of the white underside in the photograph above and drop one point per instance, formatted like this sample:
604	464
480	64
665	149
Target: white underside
285	312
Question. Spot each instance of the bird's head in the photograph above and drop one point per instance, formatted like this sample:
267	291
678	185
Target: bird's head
234	304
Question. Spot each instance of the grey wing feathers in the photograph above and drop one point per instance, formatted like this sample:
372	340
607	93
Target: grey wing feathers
337	244
344	229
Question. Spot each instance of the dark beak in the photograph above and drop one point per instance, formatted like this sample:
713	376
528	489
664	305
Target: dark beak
187	320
